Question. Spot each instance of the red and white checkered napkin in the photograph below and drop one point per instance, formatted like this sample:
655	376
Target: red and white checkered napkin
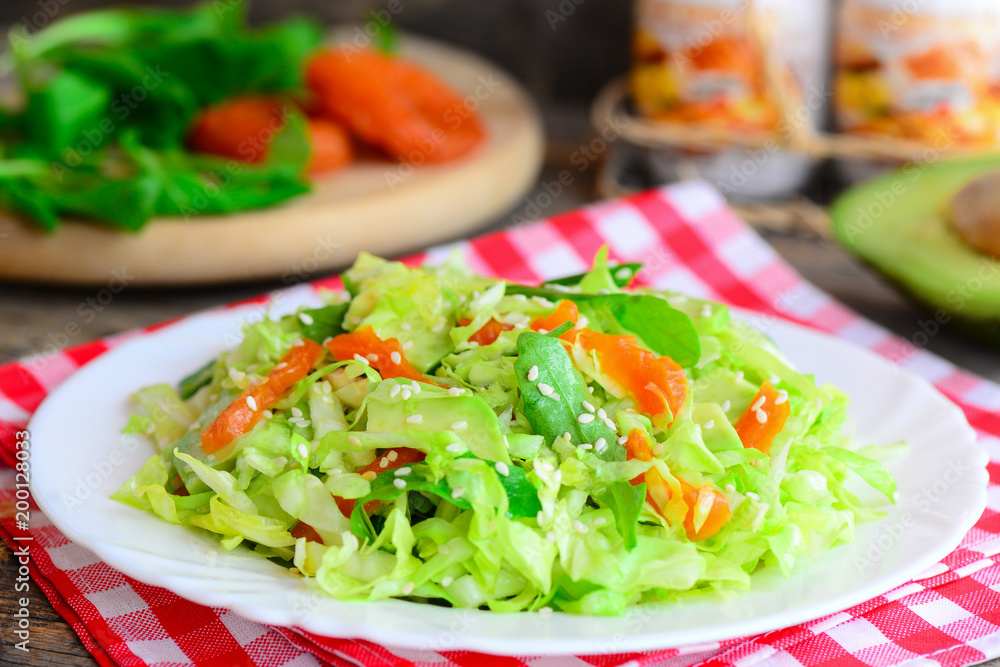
688	240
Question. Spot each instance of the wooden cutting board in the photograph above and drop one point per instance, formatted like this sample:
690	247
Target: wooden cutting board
375	205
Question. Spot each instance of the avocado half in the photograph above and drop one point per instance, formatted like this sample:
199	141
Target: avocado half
900	224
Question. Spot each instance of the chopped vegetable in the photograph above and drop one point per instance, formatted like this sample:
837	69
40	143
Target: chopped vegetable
243	413
395	105
385	356
764	419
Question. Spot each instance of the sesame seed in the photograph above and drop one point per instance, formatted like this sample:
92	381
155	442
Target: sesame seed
298	343
399	483
447	581
459	425
588	406
532	373
437	327
600	444
751	494
544	389
590	389
567	437
402	472
405	326
545	611
373	358
555	396
455	448
354	440
551	536
296	412
370	475
457	492
392	455
782	397
658	450
415	386
759	402
384	462
540	518
710	424
774	379
738	376
280	461
623	273
726	405
557	477
502	468
602	414
610	424
305	319
283	364
730	488
326	386
394	392
585	446
312	482
236	375
585	419
600	521
415	418
361	360
407	345
706	310
454	391
406	393
267	414
251	403
408	586
546	466
622	440
303	450
761	416
579	526
396	357
543	331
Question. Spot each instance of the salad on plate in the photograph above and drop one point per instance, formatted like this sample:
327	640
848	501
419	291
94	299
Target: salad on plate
457	440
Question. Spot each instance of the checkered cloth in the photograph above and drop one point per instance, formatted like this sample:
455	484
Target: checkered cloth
688	240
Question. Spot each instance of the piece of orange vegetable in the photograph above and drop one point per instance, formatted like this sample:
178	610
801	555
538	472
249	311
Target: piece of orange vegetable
301	529
488	333
241	415
388	460
566	311
244	128
241	128
381	354
395	105
656	383
704	509
330	146
764	419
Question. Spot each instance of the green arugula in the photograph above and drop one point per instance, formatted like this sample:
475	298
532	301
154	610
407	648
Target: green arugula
555	412
109	97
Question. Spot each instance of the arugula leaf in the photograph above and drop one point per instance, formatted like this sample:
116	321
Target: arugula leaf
621	275
384	490
661	327
551	417
190	385
522	496
664	329
323	322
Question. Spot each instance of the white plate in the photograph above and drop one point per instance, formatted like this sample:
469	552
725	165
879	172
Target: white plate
79	459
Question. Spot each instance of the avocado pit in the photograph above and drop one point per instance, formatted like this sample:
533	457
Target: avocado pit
974	213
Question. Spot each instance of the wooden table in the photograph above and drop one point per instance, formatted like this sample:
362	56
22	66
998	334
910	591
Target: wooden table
30	315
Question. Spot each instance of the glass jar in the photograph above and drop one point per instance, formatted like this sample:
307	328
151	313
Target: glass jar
925	70
739	66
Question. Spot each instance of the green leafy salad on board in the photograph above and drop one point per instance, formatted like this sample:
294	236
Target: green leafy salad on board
453	439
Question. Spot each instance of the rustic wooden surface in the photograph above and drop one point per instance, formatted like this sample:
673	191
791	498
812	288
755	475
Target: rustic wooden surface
29	316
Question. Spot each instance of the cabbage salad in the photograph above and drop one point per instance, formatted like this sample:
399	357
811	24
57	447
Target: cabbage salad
447	438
